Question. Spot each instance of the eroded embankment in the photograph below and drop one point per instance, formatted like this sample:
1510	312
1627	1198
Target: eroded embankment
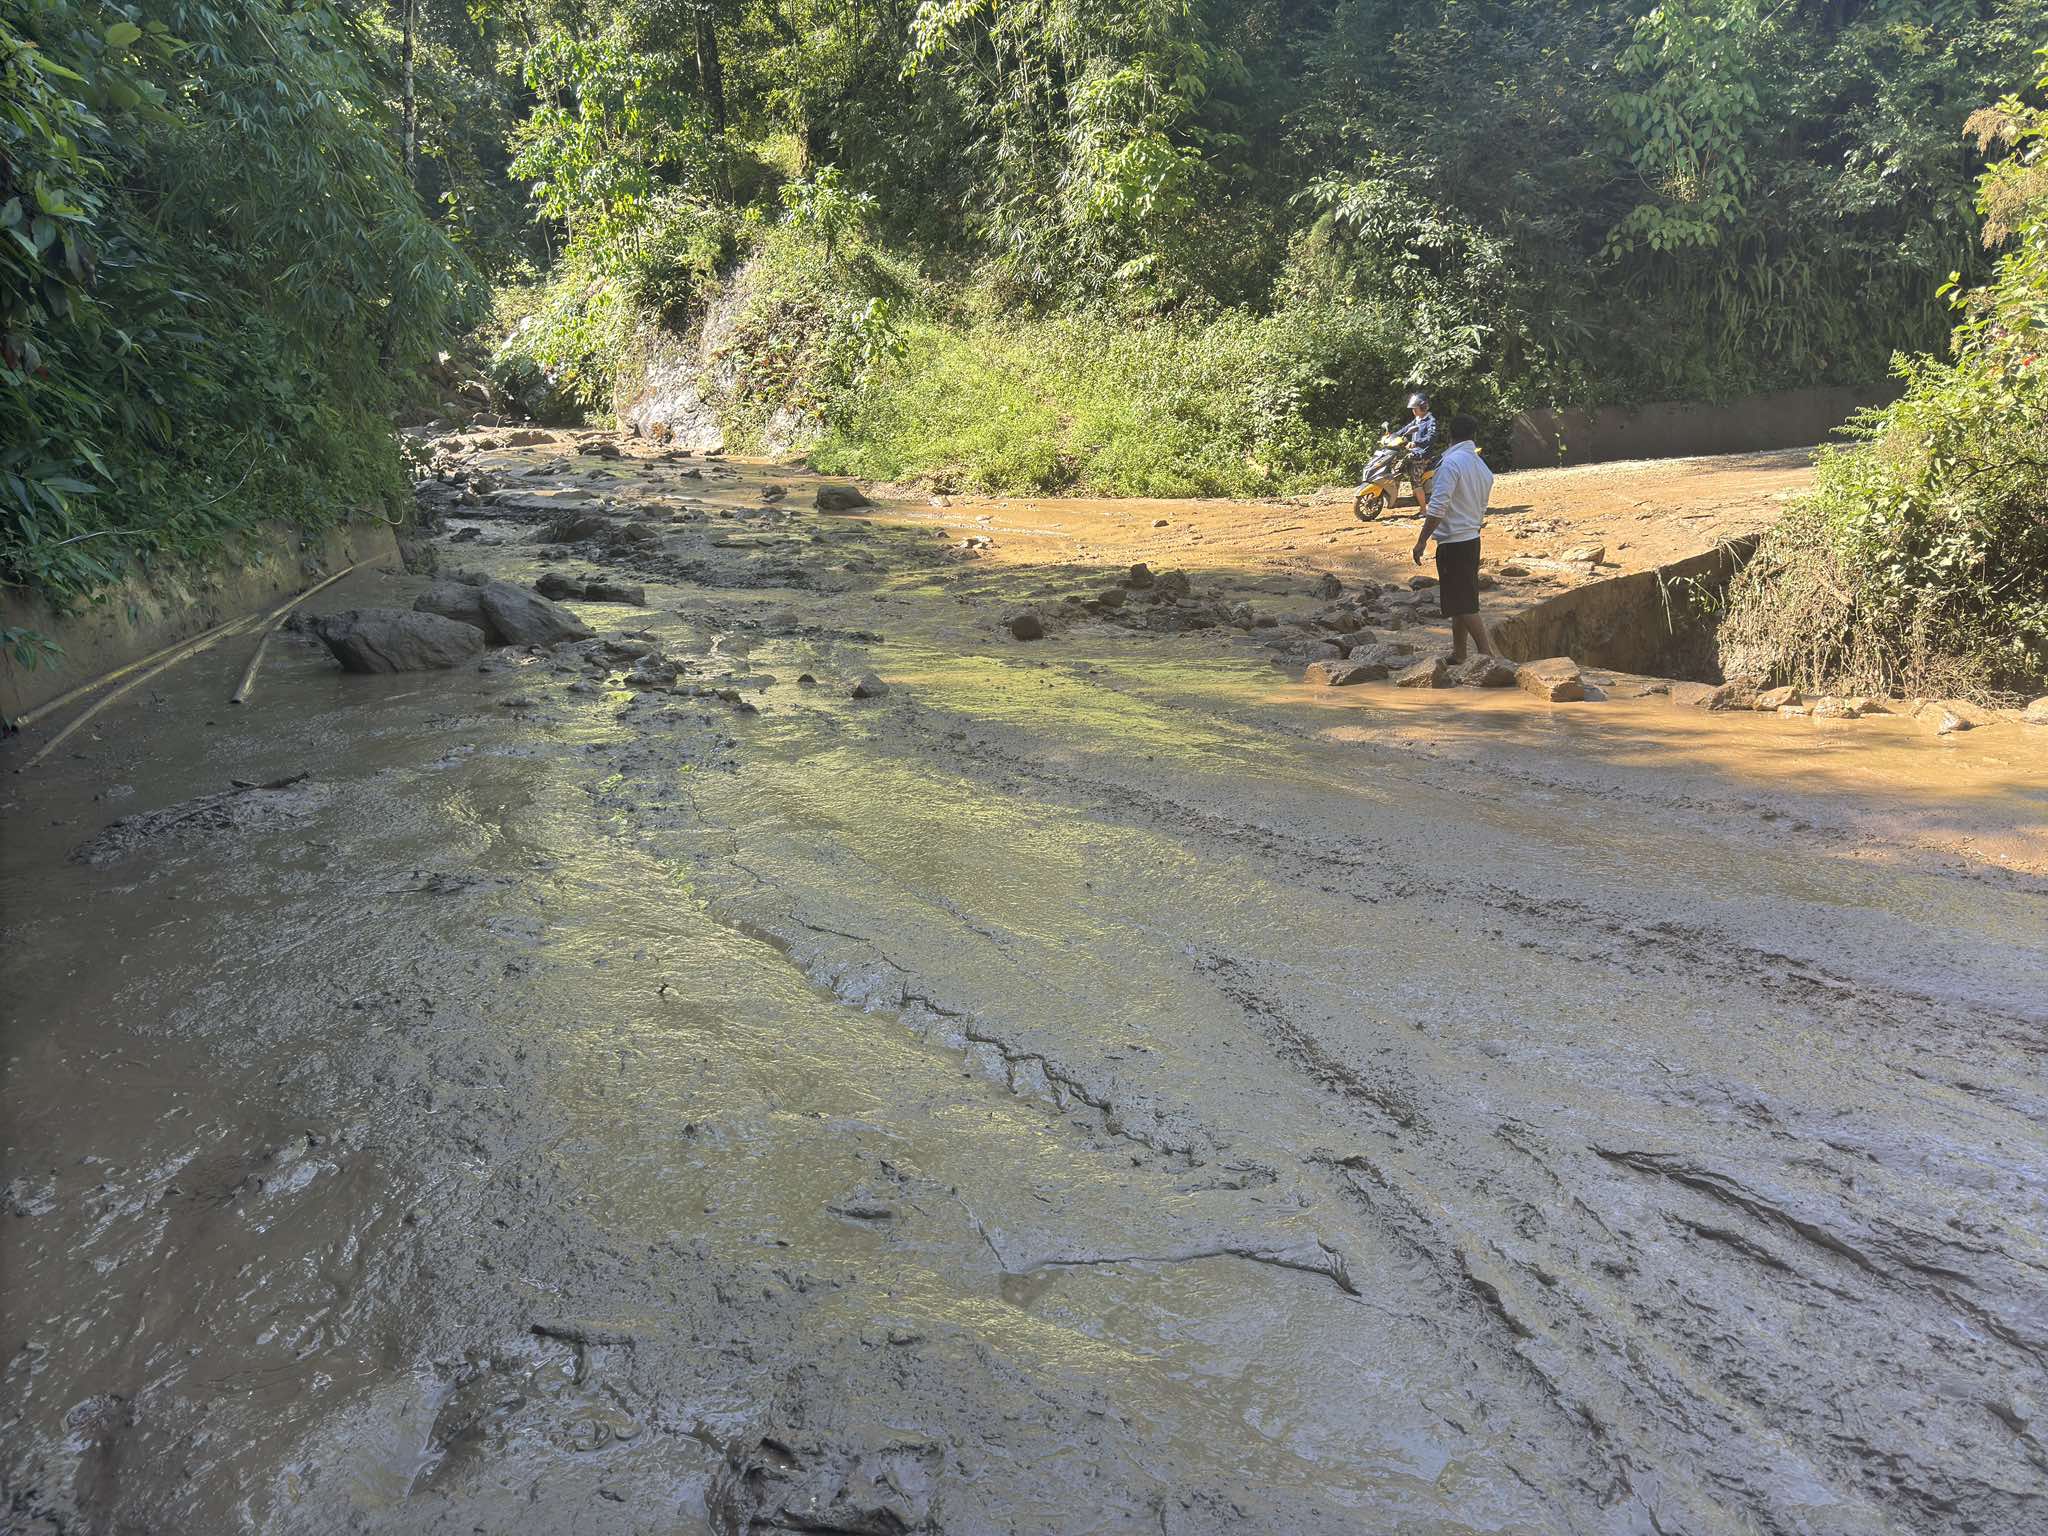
1092	1086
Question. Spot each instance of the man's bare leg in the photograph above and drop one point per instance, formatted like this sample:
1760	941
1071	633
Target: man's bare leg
1468	626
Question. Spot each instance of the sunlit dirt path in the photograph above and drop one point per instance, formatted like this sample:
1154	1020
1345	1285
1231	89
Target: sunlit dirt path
1100	1085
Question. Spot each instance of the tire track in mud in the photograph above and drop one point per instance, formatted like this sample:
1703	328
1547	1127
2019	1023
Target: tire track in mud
1529	1303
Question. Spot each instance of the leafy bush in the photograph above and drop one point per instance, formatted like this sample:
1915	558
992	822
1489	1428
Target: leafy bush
209	283
1920	561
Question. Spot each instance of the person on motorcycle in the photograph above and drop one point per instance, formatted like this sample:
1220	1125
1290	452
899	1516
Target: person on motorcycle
1421	435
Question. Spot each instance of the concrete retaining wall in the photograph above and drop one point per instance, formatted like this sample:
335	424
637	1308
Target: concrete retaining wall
1650	622
1793	418
136	616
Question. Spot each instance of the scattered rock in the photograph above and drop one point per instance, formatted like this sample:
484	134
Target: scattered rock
868	686
555	584
1421	583
1336	672
397	640
1512	569
1835	709
840	498
1487	672
1433	673
806	680
2036	713
1589	554
1110	597
1945	722
1555	678
572	528
1139	577
1158	522
614	592
1771	700
1701	695
773	493
526	437
1172	583
1026	625
1327	587
520	617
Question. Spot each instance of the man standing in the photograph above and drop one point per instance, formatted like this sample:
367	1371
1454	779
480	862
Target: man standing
1457	509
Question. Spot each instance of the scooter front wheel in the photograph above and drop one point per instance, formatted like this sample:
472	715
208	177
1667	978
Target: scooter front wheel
1367	505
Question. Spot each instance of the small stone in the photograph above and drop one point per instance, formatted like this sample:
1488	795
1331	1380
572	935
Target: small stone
1328	587
1589	554
1174	584
1771	700
868	686
774	492
1555	678
1947	722
1485	581
1421	583
1511	569
1026	625
1112	597
1139	577
1794	711
1835	709
1433	673
805	680
1158	522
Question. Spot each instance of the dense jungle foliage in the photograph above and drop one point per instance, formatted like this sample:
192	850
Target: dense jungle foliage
1127	245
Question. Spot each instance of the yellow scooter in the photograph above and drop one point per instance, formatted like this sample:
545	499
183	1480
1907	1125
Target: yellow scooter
1381	481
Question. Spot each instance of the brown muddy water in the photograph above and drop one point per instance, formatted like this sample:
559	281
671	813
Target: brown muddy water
1100	1086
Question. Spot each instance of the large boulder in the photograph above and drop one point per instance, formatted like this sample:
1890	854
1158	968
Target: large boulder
1026	625
1433	673
520	617
397	640
1486	672
1554	678
455	600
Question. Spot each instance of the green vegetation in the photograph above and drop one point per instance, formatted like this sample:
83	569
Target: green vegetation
1920	563
1129	246
213	265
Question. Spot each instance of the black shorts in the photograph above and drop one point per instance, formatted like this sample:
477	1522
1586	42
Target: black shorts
1457	575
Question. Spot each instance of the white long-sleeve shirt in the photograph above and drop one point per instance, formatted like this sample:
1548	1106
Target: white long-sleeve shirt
1458	498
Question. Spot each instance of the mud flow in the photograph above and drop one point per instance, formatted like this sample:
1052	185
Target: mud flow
1092	1084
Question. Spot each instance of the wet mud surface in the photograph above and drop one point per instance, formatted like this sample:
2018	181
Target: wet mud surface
1098	1085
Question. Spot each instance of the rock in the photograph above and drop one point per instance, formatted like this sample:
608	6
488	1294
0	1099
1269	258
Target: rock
1336	672
454	600
1172	583
1433	673
1158	522
840	498
1485	581
774	492
806	680
1555	678
1327	650
1794	711
1328	587
1487	672
466	536
520	617
1139	577
868	686
526	438
1701	695
573	528
1511	569
555	584
614	592
1588	554
396	640
1835	709
1421	583
2036	713
1110	597
1945	722
1771	700
1026	625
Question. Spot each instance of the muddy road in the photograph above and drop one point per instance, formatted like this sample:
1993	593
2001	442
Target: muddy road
1097	1085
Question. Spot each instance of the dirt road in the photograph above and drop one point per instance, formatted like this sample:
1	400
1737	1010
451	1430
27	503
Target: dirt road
1100	1085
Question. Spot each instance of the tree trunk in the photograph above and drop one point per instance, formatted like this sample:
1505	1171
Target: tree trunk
409	109
710	71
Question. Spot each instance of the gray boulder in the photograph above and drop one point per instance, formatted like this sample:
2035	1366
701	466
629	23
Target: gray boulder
520	617
395	640
455	600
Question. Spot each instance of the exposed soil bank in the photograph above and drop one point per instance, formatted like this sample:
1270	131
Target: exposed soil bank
139	615
1789	418
1099	1085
